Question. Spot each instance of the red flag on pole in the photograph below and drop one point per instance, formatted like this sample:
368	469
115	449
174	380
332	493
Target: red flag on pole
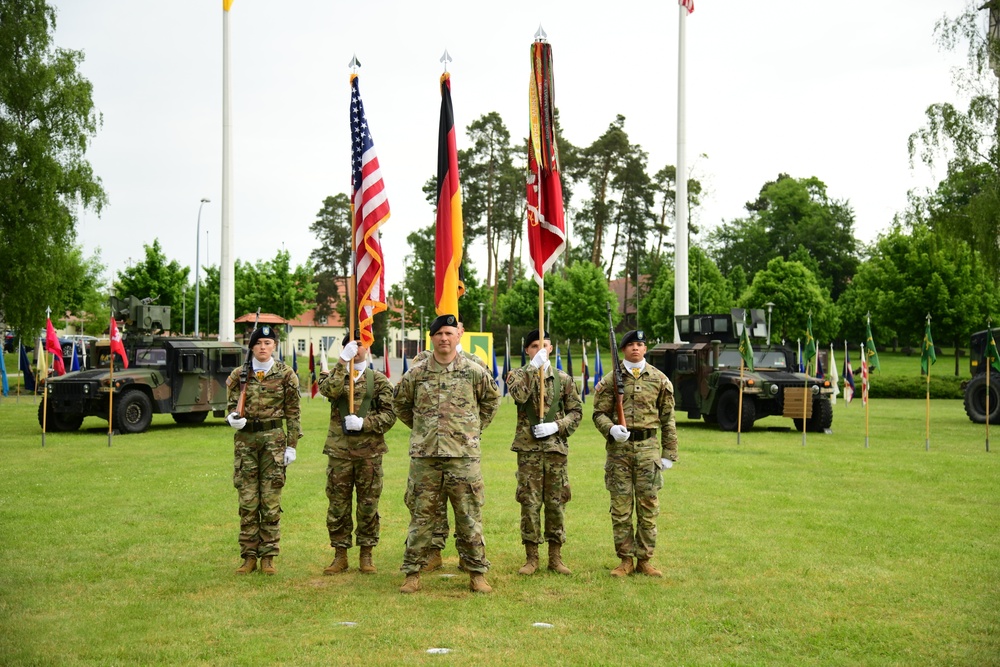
313	384
385	357
546	226
688	5
52	345
370	208
117	347
449	237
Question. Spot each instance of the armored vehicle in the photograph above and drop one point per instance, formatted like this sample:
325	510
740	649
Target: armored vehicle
185	377
706	376
975	389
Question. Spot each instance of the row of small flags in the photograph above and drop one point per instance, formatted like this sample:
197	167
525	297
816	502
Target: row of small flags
584	367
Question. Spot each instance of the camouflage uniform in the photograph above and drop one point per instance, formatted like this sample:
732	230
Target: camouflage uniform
631	471
447	408
355	458
542	475
440	534
259	465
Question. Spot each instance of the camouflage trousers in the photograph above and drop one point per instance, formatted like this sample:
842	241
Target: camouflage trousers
344	476
259	475
633	477
439	531
542	480
433	481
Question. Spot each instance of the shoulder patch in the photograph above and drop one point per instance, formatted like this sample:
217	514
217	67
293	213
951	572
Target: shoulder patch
229	381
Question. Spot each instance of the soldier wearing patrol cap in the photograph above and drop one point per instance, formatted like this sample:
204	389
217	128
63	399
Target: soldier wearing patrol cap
355	443
540	441
637	452
447	401
262	448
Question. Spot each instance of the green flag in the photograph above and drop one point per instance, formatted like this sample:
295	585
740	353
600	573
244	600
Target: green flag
809	352
992	356
746	349
870	351
927	350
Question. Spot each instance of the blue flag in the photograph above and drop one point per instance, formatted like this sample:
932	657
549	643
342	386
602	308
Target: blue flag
3	376
496	371
406	365
598	366
819	368
558	358
75	364
524	359
506	366
29	378
295	361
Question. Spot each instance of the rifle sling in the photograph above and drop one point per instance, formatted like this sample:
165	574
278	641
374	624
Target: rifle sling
550	415
360	410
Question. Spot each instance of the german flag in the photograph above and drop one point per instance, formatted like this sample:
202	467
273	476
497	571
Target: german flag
448	255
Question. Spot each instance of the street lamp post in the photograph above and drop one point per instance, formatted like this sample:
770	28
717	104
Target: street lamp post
770	306
482	320
420	343
402	315
197	265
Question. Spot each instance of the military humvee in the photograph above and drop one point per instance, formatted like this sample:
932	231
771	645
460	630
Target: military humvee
185	377
975	389
706	376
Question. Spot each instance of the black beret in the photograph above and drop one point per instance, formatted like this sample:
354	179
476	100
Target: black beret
443	321
263	332
532	336
632	337
347	337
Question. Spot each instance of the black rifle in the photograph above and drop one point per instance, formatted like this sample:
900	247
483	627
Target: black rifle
619	380
245	371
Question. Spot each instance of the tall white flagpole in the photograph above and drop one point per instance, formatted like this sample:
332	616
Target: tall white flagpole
681	243
227	290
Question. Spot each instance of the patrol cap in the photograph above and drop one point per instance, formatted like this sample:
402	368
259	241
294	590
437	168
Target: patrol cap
263	332
634	336
532	336
443	321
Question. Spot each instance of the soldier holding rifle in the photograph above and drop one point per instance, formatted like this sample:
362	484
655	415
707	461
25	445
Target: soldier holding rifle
262	393
634	411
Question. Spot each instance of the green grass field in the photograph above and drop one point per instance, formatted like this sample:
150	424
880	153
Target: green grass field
774	554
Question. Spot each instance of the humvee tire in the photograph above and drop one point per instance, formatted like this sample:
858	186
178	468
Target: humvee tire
728	411
133	412
57	423
189	417
975	398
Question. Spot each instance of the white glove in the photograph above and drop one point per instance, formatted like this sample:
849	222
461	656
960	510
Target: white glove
323	366
353	423
545	429
350	351
619	433
542	356
666	463
289	455
236	421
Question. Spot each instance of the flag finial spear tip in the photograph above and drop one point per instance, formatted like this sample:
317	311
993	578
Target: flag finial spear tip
355	63
48	311
540	35
445	58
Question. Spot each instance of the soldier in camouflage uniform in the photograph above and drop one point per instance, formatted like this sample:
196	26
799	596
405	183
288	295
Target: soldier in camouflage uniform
262	449
542	449
434	560
447	402
635	456
355	443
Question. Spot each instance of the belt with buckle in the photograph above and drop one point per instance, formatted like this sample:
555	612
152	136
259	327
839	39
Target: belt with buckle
258	426
641	434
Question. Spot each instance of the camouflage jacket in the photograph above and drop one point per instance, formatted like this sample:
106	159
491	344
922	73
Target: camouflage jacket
648	404
274	397
446	407
370	441
426	354
523	386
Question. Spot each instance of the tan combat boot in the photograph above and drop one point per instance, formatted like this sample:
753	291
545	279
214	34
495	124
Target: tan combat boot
412	583
624	568
434	561
367	566
249	565
477	583
339	563
646	568
267	565
555	559
530	559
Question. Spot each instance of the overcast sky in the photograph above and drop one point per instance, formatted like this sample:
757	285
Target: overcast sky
821	89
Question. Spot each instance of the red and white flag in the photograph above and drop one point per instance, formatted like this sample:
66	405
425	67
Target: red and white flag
546	225
385	357
864	380
688	5
370	208
52	345
116	343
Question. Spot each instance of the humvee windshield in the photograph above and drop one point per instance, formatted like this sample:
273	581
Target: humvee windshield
761	359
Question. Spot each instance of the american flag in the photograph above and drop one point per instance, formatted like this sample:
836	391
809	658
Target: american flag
688	5
370	208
